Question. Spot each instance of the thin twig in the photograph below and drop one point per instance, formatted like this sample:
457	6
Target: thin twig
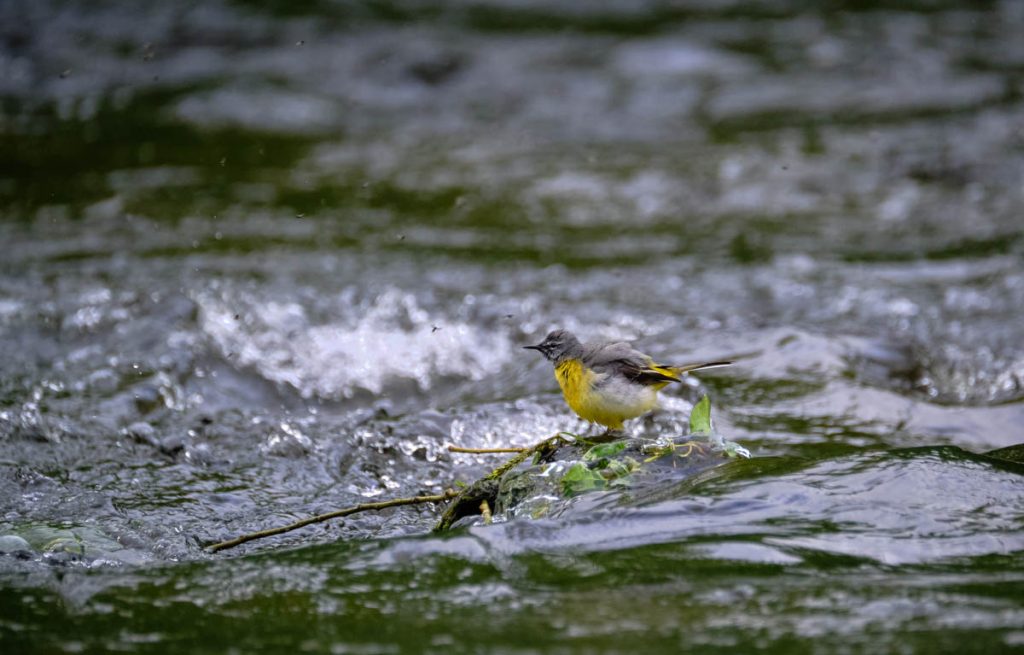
484	451
320	518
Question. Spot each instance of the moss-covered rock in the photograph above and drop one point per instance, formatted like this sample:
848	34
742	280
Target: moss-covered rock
547	477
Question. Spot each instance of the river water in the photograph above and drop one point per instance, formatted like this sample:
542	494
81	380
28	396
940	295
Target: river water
260	262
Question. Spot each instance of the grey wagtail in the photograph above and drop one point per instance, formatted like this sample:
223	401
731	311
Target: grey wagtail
609	383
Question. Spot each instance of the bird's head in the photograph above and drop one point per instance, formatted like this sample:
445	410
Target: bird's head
558	344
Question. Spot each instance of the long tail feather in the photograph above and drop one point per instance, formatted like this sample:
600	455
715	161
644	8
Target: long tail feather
686	368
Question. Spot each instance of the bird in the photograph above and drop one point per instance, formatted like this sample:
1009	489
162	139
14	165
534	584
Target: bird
609	382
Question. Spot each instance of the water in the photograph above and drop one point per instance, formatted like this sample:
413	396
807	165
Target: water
260	263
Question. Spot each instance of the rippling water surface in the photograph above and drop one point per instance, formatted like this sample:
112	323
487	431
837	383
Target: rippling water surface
260	262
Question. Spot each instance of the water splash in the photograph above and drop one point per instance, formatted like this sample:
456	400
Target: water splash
365	344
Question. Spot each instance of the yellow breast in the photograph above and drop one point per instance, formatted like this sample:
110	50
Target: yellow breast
574	379
611	404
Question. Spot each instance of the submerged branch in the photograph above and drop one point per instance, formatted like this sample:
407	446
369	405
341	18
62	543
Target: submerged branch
320	518
478	496
485	451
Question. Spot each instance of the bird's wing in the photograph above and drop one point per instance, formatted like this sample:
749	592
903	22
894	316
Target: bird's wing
622	359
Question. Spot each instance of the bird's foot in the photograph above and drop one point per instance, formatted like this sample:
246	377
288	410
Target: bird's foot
611	434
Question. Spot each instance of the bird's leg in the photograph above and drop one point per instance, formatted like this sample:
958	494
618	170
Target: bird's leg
611	434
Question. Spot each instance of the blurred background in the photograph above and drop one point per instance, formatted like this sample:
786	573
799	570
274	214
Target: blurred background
265	259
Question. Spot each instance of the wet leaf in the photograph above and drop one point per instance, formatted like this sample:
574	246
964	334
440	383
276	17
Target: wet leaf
605	450
580	479
700	417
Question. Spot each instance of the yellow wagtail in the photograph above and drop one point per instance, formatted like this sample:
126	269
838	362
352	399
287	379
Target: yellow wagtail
608	383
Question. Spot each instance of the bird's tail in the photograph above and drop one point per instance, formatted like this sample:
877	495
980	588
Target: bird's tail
686	368
659	375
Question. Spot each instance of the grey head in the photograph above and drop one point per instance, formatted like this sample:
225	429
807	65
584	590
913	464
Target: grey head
558	345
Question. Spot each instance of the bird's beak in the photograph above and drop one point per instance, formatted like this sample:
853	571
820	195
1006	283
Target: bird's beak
531	347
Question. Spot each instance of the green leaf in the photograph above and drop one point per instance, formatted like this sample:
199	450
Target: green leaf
605	450
616	469
580	479
700	417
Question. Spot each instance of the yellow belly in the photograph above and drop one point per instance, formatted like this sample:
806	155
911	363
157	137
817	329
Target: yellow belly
609	405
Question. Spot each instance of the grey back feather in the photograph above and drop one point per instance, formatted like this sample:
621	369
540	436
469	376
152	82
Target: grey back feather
613	357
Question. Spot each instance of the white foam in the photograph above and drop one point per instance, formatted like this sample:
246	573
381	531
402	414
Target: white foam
390	337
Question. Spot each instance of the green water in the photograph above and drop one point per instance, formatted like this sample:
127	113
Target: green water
260	262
